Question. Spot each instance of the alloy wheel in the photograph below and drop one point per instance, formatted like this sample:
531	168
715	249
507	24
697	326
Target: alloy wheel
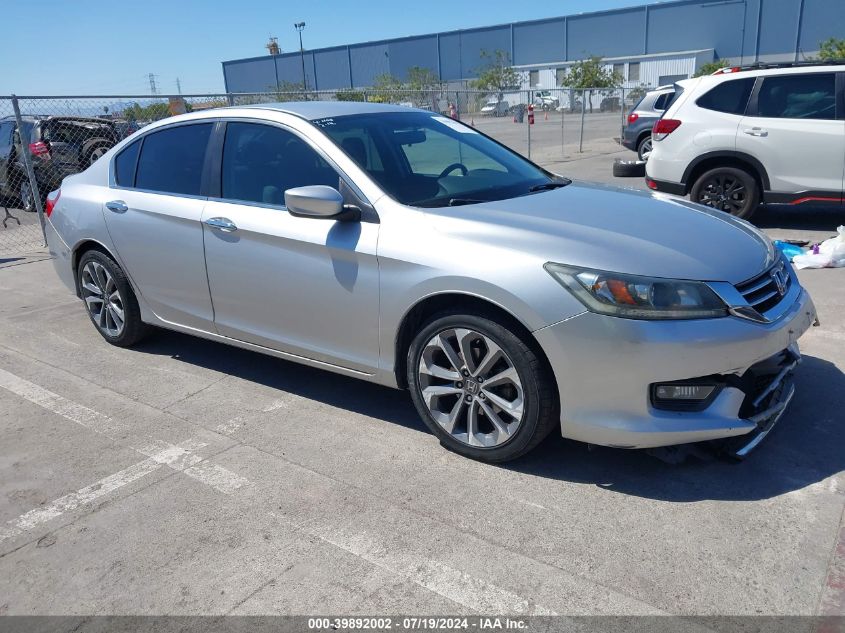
96	154
27	201
471	387
102	298
645	149
724	192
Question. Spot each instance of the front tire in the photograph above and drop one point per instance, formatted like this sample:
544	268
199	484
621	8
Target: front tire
727	189
26	197
109	300
479	388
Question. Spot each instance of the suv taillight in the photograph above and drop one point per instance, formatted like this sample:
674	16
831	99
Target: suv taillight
663	128
633	117
40	149
52	199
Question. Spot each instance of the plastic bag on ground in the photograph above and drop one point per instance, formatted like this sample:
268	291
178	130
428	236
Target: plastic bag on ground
831	254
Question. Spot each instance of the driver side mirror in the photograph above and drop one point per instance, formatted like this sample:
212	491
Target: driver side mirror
318	202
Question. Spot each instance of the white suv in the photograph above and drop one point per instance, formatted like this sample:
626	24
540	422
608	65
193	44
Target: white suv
754	134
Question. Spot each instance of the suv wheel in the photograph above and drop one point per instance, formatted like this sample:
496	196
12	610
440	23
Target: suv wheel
93	149
109	300
727	189
26	197
645	147
479	388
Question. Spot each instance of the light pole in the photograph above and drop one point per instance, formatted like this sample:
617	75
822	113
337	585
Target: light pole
299	26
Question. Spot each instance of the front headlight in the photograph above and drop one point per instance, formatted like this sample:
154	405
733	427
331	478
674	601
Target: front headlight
635	297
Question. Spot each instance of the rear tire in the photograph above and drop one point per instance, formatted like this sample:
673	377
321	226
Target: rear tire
93	150
494	407
644	147
26	197
109	300
727	189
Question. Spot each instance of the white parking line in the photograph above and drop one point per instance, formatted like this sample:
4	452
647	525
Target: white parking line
181	458
230	426
453	584
36	517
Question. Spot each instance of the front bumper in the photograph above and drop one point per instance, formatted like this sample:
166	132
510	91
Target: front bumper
604	367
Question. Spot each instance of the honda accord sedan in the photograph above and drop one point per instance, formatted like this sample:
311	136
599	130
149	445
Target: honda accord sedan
401	247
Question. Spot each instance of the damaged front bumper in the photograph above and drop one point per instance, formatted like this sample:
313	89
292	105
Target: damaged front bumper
606	367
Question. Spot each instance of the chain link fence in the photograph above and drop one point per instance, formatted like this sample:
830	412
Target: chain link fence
45	139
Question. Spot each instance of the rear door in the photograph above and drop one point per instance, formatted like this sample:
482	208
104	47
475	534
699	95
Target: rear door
153	218
794	126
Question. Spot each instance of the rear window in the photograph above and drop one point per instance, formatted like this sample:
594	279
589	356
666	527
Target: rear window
730	97
124	165
171	160
811	96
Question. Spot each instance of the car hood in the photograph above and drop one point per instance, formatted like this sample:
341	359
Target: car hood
619	230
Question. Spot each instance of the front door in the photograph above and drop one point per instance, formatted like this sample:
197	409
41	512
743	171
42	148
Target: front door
304	286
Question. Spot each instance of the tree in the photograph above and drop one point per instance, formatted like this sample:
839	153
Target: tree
497	75
711	67
150	112
832	49
589	74
385	88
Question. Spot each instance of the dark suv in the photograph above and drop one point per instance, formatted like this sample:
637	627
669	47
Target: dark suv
58	145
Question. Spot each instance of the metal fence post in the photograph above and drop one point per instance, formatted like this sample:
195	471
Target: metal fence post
622	110
562	117
27	161
581	134
530	102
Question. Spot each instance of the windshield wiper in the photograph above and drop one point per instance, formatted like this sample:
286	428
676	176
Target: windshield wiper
456	202
549	185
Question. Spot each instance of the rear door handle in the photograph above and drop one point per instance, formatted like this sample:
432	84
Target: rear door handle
756	131
118	206
224	224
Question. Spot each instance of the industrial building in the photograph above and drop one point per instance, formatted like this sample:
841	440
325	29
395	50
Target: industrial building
649	45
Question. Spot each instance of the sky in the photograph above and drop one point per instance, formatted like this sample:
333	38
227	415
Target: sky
99	47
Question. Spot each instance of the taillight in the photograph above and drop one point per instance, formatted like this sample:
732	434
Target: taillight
727	71
633	117
663	128
52	199
40	149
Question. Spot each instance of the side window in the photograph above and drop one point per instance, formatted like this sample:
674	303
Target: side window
661	101
729	96
6	134
124	165
811	96
261	162
171	160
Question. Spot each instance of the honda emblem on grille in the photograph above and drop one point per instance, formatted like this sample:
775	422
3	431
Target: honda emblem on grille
779	277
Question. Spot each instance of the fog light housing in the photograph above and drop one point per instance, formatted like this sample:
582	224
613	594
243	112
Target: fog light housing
683	396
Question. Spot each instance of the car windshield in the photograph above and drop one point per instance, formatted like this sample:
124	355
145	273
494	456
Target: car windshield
427	160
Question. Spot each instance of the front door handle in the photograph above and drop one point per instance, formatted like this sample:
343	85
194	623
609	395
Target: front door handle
756	131
224	224
118	206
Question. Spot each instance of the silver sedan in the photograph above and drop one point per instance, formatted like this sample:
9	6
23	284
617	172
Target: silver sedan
408	249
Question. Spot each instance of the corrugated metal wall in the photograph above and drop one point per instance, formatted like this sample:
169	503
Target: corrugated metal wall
737	29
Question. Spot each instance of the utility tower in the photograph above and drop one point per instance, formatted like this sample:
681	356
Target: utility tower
153	89
178	86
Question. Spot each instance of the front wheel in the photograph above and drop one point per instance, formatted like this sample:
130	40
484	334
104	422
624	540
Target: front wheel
26	197
727	189
480	389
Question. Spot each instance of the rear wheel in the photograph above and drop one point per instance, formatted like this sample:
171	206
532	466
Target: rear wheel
26	197
109	300
93	150
644	147
727	189
480	389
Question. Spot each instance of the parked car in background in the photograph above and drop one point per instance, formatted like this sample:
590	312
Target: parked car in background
545	100
636	134
616	322
58	145
495	107
763	133
610	104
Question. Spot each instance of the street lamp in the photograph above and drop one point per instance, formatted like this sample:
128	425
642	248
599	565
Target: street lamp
299	26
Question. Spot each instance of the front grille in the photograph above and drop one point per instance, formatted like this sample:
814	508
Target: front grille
763	292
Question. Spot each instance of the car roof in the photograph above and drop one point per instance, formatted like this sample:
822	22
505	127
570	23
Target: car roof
312	110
